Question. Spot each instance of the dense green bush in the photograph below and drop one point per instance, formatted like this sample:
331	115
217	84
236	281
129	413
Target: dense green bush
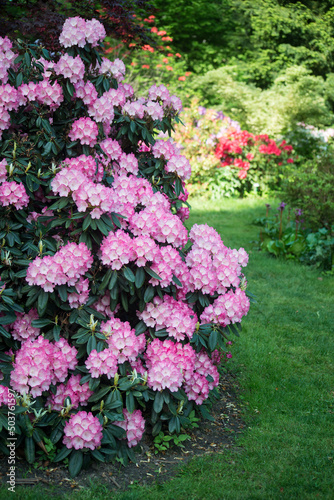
310	187
295	96
285	235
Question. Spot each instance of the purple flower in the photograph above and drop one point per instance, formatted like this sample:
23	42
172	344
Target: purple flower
201	110
282	206
220	115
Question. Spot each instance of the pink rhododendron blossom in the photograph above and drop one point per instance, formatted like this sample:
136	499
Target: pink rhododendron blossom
115	69
133	109
78	299
73	32
3	170
103	305
134	425
38	363
102	363
86	91
85	130
78	393
94	32
175	316
122	339
7	57
65	267
116	249
22	328
13	193
5	395
227	309
83	430
70	67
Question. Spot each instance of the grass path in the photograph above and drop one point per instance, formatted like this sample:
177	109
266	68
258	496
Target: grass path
284	360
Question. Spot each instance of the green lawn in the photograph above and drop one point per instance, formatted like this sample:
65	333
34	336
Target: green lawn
284	362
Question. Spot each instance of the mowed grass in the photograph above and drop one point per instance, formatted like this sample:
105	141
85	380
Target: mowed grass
284	364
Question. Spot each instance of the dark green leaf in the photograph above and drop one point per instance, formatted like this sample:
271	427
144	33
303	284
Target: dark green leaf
75	463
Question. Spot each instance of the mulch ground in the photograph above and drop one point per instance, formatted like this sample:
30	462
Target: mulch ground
210	438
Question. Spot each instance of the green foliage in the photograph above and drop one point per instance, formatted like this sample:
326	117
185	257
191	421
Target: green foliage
286	237
263	37
295	96
163	441
309	186
157	62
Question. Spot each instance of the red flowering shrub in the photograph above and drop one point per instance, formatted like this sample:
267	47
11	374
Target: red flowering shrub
254	158
211	140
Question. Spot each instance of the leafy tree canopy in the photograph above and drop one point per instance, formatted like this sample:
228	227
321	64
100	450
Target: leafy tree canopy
262	36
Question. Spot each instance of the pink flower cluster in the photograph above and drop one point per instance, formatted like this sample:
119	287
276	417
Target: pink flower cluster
122	339
22	328
103	305
165	150
167	363
39	363
86	91
7	57
212	266
87	165
8	97
102	109
116	249
65	267
180	165
134	425
102	363
77	31
13	193
119	249
85	130
83	430
114	69
3	170
161	94
43	92
70	67
160	225
175	316
5	395
84	192
227	309
78	299
111	148
134	109
154	110
78	393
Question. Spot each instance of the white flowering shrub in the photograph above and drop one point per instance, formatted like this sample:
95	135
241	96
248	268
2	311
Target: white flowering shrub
111	315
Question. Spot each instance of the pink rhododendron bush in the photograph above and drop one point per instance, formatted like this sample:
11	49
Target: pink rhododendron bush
113	318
